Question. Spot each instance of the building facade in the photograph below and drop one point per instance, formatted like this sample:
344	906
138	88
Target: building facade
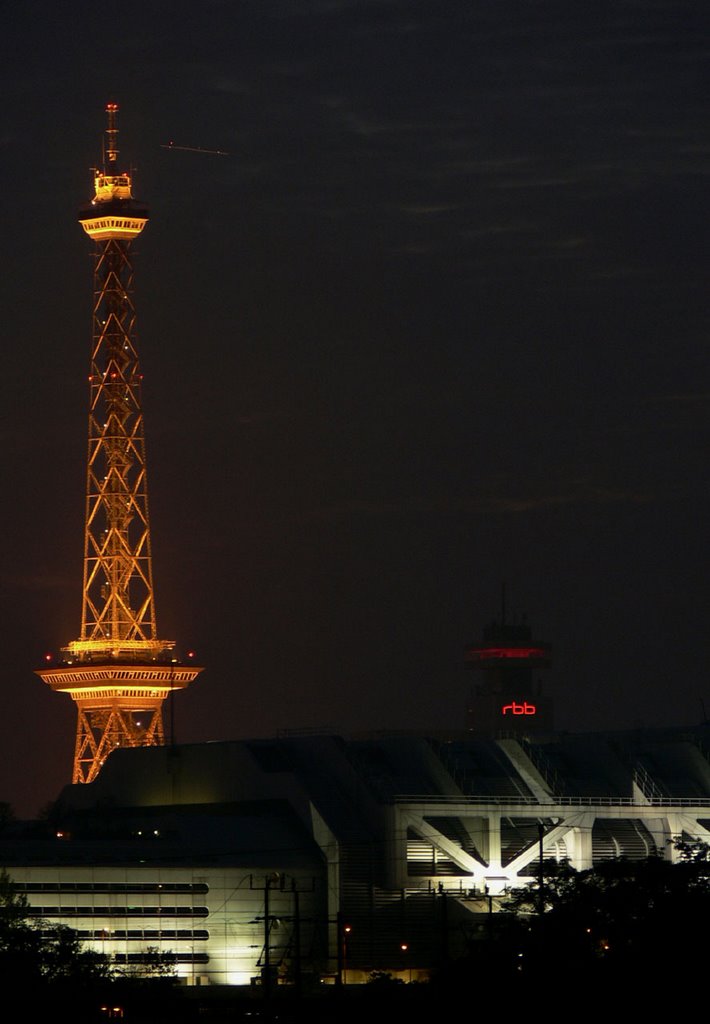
301	860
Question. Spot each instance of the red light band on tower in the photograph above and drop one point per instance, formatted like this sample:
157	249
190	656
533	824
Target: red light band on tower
502	653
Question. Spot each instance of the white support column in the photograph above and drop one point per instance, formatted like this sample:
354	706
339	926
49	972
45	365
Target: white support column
494	844
579	844
330	848
679	823
396	848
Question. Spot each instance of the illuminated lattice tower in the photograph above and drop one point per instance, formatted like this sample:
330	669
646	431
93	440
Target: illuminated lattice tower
118	672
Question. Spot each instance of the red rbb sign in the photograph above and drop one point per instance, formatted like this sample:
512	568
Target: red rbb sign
519	709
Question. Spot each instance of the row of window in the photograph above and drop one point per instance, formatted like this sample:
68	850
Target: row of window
162	958
118	912
105	887
160	935
113	222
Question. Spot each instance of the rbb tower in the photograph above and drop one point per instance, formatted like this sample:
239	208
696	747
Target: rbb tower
118	672
508	695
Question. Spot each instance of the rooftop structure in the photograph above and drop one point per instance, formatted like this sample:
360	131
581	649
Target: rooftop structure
508	693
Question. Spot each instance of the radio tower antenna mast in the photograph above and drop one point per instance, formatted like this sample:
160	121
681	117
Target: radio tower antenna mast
118	672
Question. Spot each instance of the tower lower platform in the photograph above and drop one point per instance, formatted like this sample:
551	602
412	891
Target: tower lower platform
119	704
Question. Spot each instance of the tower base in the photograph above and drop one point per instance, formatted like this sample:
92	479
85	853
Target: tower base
119	705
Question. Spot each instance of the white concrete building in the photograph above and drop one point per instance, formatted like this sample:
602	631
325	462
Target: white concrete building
230	860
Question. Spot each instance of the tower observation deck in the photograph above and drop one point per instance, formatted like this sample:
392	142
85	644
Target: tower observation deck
119	671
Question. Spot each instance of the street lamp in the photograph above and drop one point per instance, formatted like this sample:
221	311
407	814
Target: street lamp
404	946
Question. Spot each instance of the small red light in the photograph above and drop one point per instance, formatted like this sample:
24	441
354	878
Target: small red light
48	657
506	653
191	654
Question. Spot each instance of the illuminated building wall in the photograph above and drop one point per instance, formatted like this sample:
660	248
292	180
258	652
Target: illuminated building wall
374	831
207	923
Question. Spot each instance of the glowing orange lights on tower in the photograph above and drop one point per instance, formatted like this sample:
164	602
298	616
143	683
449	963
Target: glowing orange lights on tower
119	671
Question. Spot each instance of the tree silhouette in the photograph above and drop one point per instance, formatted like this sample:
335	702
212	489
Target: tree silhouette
618	916
37	955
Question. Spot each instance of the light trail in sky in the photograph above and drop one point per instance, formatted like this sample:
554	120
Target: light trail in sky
193	149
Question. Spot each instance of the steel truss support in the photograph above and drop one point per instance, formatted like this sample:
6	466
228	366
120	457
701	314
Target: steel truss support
569	822
119	671
100	732
118	600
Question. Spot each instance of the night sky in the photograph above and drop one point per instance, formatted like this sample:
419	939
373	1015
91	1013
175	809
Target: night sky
438	321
